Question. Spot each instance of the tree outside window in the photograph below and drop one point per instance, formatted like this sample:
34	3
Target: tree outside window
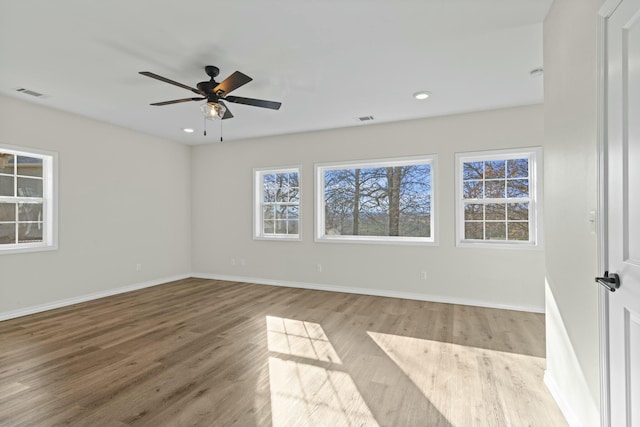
497	197
277	205
388	200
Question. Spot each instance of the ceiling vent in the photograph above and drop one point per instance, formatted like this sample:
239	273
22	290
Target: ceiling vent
29	92
365	118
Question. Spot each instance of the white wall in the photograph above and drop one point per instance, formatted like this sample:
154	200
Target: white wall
124	200
222	214
570	193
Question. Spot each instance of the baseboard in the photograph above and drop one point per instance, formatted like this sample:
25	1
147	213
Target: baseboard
368	291
83	298
270	282
564	406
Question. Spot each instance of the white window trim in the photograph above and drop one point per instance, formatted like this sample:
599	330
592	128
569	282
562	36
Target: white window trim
258	174
49	201
320	235
534	154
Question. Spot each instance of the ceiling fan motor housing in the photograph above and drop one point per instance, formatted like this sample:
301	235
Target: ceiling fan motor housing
207	90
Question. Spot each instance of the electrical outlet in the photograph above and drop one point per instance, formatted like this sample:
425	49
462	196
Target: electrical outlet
423	275
319	268
233	261
593	221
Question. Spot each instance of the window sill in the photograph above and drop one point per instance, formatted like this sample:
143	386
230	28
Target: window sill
376	240
295	238
518	246
27	249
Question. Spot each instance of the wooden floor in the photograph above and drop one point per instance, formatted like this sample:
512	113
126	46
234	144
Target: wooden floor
205	352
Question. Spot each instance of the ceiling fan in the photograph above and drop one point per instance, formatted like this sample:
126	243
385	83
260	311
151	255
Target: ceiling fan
215	93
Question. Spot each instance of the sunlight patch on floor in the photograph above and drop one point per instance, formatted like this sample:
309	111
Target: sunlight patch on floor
454	376
299	338
310	394
303	394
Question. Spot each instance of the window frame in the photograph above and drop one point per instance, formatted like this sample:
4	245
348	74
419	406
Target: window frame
49	200
534	155
320	168
258	197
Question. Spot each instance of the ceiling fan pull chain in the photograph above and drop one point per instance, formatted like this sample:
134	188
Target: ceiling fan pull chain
204	120
220	129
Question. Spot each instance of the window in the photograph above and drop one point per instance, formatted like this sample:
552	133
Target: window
27	202
386	201
498	198
277	204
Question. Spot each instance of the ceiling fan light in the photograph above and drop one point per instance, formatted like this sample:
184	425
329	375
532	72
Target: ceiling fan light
213	110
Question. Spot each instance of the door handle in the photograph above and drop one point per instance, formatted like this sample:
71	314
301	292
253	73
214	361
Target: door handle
611	282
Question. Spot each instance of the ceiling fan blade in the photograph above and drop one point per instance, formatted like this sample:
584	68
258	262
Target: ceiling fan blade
227	114
166	80
233	82
176	101
254	102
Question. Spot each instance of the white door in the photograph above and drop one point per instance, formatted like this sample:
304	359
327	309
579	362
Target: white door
623	210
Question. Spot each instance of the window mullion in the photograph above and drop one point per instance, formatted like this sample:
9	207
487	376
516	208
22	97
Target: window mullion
15	225
6	199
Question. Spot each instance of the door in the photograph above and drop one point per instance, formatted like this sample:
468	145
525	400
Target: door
622	239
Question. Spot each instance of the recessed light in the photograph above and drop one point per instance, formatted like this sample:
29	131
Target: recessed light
421	95
188	130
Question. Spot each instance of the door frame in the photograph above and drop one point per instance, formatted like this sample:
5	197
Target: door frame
605	12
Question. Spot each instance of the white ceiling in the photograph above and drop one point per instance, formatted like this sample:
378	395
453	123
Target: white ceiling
327	61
